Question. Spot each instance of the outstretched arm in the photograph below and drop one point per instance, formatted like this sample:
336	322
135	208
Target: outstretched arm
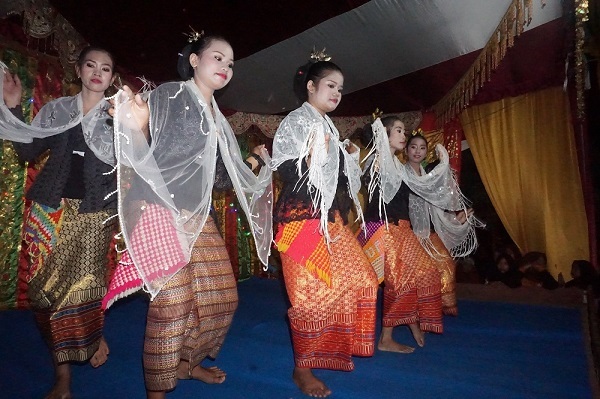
462	216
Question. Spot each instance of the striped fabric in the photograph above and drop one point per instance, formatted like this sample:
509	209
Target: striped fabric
330	324
190	316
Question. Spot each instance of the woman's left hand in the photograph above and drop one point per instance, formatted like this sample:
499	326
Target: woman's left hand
462	216
260	150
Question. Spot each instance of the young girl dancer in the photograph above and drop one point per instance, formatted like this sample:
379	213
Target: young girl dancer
397	224
330	284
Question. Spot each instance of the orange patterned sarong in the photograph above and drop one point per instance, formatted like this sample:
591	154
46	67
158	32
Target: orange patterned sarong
447	269
412	281
330	324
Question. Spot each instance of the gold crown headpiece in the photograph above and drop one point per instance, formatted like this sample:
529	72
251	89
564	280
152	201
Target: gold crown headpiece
194	36
319	55
376	114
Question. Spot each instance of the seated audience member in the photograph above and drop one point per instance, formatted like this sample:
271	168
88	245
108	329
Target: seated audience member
584	276
533	265
505	271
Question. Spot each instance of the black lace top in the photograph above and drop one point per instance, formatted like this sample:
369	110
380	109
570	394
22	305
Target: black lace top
396	210
294	201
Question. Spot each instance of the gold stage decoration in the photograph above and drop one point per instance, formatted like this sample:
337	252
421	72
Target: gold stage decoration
581	16
512	24
347	125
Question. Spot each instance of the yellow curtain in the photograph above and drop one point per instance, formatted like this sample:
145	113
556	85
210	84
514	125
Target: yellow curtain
525	152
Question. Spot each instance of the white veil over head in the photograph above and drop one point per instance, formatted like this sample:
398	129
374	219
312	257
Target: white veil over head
166	182
58	116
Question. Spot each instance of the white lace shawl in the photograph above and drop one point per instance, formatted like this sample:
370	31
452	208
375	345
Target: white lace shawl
58	116
303	130
178	168
437	198
436	193
382	166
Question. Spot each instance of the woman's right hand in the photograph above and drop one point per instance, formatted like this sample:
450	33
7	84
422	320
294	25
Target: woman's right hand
140	112
12	90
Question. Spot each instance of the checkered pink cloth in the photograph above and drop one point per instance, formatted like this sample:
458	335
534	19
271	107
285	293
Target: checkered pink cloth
157	251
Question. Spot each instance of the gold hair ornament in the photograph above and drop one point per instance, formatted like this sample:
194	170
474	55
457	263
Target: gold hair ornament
319	55
194	36
376	114
418	132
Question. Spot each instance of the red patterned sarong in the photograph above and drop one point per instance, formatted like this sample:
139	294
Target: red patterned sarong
330	324
372	244
310	250
412	281
40	232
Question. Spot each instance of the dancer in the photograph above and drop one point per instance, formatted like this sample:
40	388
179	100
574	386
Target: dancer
68	229
396	201
330	284
181	147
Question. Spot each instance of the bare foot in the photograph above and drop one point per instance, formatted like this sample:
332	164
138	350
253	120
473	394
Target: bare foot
209	375
418	335
450	310
62	383
59	392
309	384
101	355
393	346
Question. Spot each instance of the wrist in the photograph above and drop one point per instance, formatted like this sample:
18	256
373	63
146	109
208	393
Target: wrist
258	159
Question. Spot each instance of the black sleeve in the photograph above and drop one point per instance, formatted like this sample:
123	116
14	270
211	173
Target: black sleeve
29	152
288	171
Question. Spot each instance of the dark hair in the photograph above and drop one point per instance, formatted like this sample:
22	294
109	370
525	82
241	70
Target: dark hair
509	260
183	63
314	71
412	137
84	53
366	135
